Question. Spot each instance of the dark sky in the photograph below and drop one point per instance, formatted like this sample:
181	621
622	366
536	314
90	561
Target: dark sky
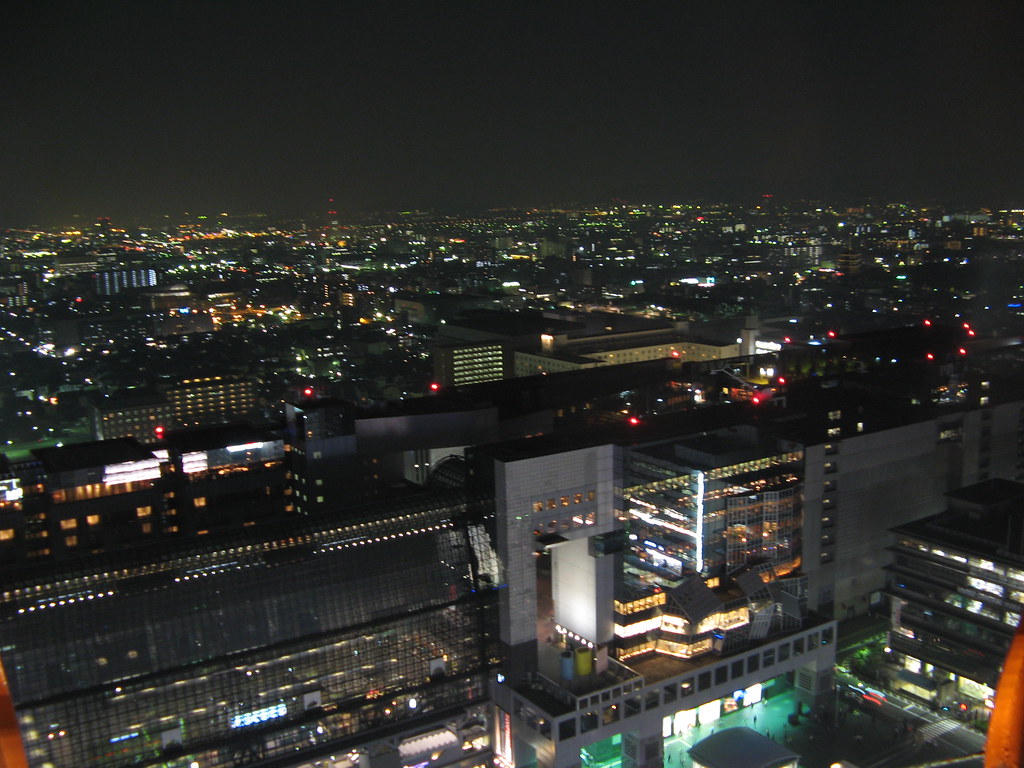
123	108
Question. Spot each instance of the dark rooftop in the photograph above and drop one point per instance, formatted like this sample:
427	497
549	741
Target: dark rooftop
99	453
217	436
989	492
741	748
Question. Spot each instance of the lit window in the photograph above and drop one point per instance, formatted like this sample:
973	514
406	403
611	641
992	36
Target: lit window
6	534
67	525
200	501
93	519
71	541
143	511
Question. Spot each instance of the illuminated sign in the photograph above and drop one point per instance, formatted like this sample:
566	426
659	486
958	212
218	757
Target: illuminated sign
767	346
131	471
259	716
194	462
246	447
10	490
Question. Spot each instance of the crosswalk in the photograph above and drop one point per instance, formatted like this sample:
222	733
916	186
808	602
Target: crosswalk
928	734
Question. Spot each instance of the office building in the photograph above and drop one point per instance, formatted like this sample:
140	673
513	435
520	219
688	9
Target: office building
957	594
455	365
148	414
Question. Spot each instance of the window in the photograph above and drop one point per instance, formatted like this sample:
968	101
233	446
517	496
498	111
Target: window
784	652
143	511
769	657
93	519
704	680
6	534
633	706
199	501
721	675
737	668
652	700
753	663
71	541
670	693
67	525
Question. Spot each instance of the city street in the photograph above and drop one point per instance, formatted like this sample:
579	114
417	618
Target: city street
899	733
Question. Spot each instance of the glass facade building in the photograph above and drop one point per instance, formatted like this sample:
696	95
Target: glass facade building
282	640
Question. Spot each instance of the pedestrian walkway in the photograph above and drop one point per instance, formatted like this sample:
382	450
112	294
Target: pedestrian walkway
931	732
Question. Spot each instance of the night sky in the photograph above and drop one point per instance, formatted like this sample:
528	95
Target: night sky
110	108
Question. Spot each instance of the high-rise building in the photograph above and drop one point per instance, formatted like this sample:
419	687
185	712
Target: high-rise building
957	589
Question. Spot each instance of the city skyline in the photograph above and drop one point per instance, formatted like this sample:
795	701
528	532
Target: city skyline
121	110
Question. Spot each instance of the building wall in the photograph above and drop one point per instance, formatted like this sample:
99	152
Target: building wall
550	494
859	486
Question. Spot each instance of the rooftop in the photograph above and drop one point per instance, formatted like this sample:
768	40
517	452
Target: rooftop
98	453
217	436
741	748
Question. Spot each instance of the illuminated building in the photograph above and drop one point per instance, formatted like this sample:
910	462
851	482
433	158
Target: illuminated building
320	641
571	616
455	365
871	464
134	413
686	498
1004	745
91	497
176	311
148	414
957	594
114	281
553	343
223	476
321	447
